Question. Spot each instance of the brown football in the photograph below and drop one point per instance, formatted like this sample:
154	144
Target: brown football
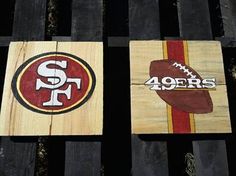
192	101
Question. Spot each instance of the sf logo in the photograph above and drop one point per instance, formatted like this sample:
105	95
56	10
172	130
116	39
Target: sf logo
53	83
57	78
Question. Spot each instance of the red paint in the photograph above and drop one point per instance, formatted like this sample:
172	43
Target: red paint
36	98
180	119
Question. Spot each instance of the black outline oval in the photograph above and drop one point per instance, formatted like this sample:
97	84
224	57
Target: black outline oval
19	70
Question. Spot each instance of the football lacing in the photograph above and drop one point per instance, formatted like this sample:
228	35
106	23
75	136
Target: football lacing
184	69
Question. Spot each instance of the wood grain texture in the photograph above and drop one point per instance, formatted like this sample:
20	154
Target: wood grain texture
194	19
17	158
210	158
83	158
144	19
190	30
87	21
29	20
5	41
208	63
149	112
15	119
228	13
149	158
86	120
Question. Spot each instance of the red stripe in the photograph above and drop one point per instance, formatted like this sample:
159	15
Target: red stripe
180	119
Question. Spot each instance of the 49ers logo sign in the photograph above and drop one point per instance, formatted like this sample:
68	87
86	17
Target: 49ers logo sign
53	83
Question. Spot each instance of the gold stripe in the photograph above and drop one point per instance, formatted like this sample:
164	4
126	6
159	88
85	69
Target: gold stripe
165	52
169	116
186	59
192	123
168	107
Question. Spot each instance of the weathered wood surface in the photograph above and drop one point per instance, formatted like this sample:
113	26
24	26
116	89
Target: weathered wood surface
194	19
5	41
149	112
83	158
199	27
210	158
144	19
144	24
86	120
149	158
29	20
228	13
18	157
87	25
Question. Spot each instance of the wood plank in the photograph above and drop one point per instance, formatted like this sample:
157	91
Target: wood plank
22	153
87	23
17	158
149	158
210	158
5	41
206	62
87	119
190	29
29	20
194	19
118	41
144	24
228	17
144	19
83	158
16	120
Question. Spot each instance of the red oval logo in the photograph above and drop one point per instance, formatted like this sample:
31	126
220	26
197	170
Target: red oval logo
53	83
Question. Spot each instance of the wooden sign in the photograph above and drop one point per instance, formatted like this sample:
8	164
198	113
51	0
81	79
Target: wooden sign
53	88
178	87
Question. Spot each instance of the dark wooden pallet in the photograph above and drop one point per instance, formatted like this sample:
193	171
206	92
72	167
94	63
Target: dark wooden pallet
152	155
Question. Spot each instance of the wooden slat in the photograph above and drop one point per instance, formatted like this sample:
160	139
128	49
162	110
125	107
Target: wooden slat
19	52
17	158
210	158
206	62
87	119
83	158
87	25
228	8
87	22
144	24
21	154
5	41
194	19
17	120
29	20
197	26
144	19
149	157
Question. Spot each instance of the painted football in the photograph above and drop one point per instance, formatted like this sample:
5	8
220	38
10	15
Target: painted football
193	100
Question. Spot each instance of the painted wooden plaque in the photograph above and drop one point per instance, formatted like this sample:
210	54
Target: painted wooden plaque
53	88
178	87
